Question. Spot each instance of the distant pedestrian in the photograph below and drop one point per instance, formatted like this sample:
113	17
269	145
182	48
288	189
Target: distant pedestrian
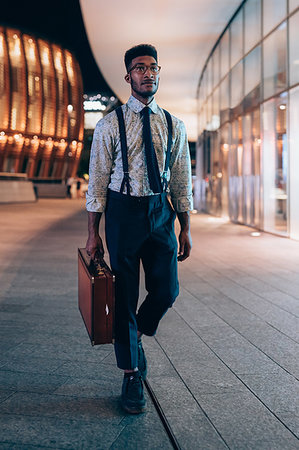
78	186
131	184
69	184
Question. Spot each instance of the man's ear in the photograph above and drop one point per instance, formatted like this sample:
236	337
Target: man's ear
128	78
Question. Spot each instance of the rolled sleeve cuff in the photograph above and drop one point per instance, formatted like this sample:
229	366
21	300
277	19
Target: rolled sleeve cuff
95	204
183	204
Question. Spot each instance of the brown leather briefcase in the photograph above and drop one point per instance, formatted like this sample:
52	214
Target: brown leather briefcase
96	298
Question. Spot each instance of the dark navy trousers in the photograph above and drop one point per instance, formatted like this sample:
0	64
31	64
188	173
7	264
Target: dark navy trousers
140	229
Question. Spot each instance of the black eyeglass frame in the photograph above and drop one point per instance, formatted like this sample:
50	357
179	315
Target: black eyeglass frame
147	67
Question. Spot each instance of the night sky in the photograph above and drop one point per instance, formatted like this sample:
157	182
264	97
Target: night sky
59	21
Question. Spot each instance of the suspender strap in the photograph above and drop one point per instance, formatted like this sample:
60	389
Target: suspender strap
124	150
168	153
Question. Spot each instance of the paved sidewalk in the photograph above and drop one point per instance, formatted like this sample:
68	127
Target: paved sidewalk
224	364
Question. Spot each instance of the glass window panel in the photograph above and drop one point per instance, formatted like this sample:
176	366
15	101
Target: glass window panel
275	163
275	61
203	86
75	83
209	76
216	109
34	86
216	66
294	48
294	163
49	89
237	85
18	81
62	93
224	54
293	4
224	149
252	15
252	78
236	38
274	12
4	84
209	113
224	100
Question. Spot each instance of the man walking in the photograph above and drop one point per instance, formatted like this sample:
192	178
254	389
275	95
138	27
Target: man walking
139	154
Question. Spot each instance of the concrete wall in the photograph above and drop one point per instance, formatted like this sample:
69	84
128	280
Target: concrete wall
16	191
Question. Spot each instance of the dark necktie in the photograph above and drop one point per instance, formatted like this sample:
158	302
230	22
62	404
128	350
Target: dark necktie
150	155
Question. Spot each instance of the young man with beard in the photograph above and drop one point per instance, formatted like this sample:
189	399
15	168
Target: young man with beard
129	180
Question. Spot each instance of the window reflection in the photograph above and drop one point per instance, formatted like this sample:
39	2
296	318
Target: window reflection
18	81
224	54
49	89
275	62
293	4
216	66
274	11
34	89
236	39
4	83
275	151
237	89
252	17
294	49
224	100
252	79
294	161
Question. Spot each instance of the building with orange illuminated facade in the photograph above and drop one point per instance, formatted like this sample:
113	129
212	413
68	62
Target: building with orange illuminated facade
41	107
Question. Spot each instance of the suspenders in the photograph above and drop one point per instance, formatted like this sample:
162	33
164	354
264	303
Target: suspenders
124	150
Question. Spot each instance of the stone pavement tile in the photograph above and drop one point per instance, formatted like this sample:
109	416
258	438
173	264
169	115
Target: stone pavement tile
187	305
275	344
291	420
88	370
110	359
237	353
14	446
106	385
268	312
244	423
4	394
57	433
29	382
279	391
144	431
158	363
225	346
57	349
106	409
30	364
8	345
283	300
188	422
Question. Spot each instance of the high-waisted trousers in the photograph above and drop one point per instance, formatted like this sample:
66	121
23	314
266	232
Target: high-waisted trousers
140	229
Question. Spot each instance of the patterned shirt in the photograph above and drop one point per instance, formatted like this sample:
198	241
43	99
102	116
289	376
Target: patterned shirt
106	169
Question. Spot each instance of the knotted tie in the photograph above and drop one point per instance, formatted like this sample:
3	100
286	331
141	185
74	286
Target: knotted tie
150	155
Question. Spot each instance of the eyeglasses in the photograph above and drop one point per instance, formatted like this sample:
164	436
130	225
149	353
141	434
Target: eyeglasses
142	68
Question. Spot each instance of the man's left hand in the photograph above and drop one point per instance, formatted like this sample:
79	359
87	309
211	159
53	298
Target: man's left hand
185	245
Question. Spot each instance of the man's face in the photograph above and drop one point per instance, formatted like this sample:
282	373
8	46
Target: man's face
143	84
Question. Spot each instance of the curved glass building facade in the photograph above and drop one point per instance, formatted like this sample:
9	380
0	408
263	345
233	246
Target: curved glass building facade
41	107
248	120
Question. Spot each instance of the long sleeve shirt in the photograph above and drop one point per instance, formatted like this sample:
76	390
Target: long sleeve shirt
106	169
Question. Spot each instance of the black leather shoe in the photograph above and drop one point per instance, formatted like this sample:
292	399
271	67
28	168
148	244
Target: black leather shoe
132	396
142	363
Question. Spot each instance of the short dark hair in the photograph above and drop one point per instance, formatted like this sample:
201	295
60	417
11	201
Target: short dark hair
140	50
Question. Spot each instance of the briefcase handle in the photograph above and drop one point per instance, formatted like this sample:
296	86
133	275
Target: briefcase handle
100	265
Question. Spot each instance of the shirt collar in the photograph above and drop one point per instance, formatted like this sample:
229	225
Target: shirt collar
137	106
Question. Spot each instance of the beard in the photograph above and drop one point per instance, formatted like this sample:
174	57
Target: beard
144	93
